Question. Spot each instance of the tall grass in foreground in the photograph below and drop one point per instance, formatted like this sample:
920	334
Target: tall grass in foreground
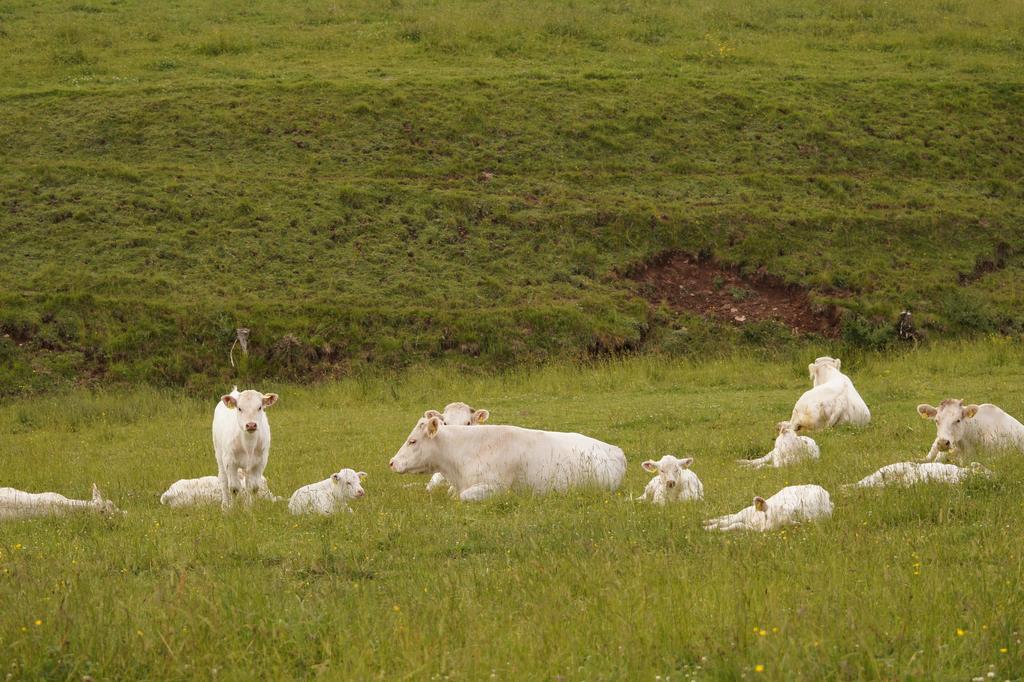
921	583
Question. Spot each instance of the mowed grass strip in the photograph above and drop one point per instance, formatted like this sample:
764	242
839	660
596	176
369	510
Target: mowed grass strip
366	184
919	583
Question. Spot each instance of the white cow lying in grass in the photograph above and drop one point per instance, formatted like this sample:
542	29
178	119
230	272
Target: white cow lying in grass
965	429
790	448
910	473
791	505
833	400
480	461
675	482
196	492
329	495
18	504
455	414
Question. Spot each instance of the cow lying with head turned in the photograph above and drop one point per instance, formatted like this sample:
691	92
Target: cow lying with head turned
18	504
791	505
832	400
912	473
790	448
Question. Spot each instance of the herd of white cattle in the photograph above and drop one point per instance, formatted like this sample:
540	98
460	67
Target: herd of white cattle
473	460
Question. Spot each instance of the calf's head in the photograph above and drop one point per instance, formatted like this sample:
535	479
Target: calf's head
758	520
347	483
951	419
248	407
669	469
414	455
459	414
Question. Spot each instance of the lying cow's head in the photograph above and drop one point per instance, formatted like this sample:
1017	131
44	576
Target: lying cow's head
950	419
821	369
347	484
415	454
669	469
248	407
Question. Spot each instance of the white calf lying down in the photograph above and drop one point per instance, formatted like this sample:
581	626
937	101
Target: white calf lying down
793	504
18	504
909	473
329	495
197	492
833	400
482	460
789	449
675	481
964	429
455	414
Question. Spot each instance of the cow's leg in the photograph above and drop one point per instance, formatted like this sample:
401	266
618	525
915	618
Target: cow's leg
478	492
230	487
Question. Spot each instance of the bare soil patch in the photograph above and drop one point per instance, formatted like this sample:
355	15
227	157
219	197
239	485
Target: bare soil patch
707	288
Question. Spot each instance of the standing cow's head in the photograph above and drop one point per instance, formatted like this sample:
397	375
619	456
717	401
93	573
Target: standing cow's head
415	454
951	419
669	469
248	407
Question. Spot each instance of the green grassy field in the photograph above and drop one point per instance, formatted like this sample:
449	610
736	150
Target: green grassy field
900	584
388	183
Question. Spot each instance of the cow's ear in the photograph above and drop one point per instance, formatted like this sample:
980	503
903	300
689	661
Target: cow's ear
269	399
838	363
650	465
480	416
926	411
431	413
336	478
361	475
685	462
970	411
760	504
433	424
229	401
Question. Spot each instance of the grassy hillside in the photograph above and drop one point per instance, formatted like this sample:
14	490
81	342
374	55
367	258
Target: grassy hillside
916	584
383	183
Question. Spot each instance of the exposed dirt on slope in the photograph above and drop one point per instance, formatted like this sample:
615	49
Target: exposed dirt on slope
712	290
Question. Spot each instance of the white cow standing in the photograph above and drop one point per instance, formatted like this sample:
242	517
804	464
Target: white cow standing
206	490
455	414
790	448
911	473
241	440
329	495
833	399
675	482
18	504
483	460
791	505
965	429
